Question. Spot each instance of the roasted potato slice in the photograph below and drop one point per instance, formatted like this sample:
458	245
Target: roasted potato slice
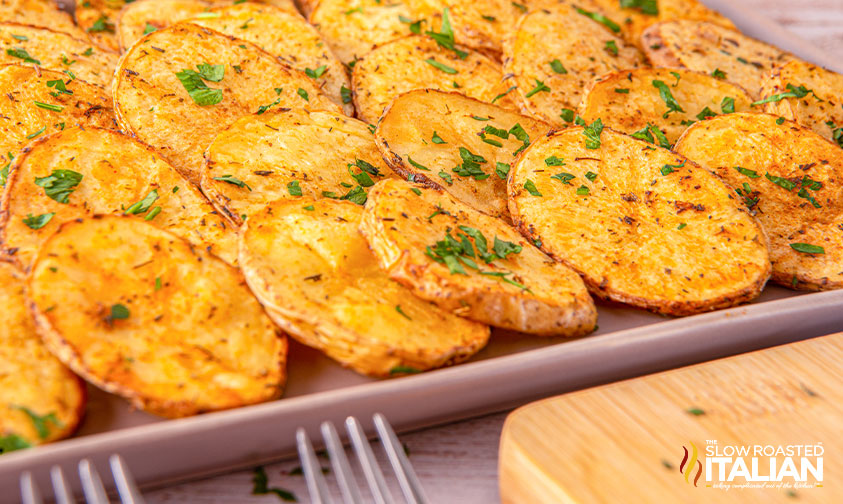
449	141
153	104
306	262
670	99
554	55
417	62
809	95
144	16
44	13
25	45
483	24
289	154
712	49
141	313
40	399
41	102
642	225
472	264
116	174
792	178
98	18
301	46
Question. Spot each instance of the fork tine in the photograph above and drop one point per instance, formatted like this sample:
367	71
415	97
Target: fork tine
316	485
91	483
410	485
28	490
373	473
60	488
129	493
342	469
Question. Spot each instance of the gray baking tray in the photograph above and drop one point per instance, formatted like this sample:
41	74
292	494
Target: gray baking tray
511	371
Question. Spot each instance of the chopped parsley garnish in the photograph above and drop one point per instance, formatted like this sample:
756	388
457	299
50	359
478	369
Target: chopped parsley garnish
118	312
583	191
401	312
87	52
36	133
781	181
540	87
564	177
260	481
530	186
695	411
498	132
728	105
437	139
4	172
445	37
293	188
447	178
101	25
592	134
59	184
441	66
781	120
48	106
404	370
600	18
793	92
470	166
231	179
611	47
706	113
554	161
194	83
520	133
143	205
20	53
567	115
681	226
521	7
13	442
749	196
38	221
468	245
418	192
352	11
590	175
264	108
152	213
41	422
557	67
59	86
415	26
649	7
498	97
315	73
718	74
746	171
418	166
345	93
652	133
667	97
502	169
301	92
478	118
622	90
669	168
807	248
149	29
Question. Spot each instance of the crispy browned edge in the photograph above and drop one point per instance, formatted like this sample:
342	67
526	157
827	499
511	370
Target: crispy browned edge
68	354
67	429
672	308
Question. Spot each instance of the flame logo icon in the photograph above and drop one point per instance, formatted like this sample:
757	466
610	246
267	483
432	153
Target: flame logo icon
689	464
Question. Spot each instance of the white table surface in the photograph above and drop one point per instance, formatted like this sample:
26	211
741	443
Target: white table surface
457	463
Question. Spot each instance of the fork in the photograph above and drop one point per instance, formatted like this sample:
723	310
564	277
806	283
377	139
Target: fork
317	486
91	484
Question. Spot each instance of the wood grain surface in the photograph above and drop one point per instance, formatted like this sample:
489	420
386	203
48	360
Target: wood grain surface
457	463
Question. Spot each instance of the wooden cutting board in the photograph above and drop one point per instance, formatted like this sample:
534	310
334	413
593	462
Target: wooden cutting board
625	443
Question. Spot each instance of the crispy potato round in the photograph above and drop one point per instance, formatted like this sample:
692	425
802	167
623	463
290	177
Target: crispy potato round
40	399
116	172
417	62
820	106
630	100
707	47
24	45
43	13
642	225
554	54
301	46
151	102
22	120
352	28
405	136
141	313
287	154
306	262
493	275
792	178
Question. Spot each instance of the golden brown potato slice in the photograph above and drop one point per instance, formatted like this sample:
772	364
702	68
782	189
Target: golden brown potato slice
306	262
472	264
670	99
98	18
555	54
41	102
141	313
352	28
792	178
114	174
289	154
809	95
483	24
449	141
712	49
44	13
301	46
417	62
40	399
145	16
642	225
30	45
222	79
